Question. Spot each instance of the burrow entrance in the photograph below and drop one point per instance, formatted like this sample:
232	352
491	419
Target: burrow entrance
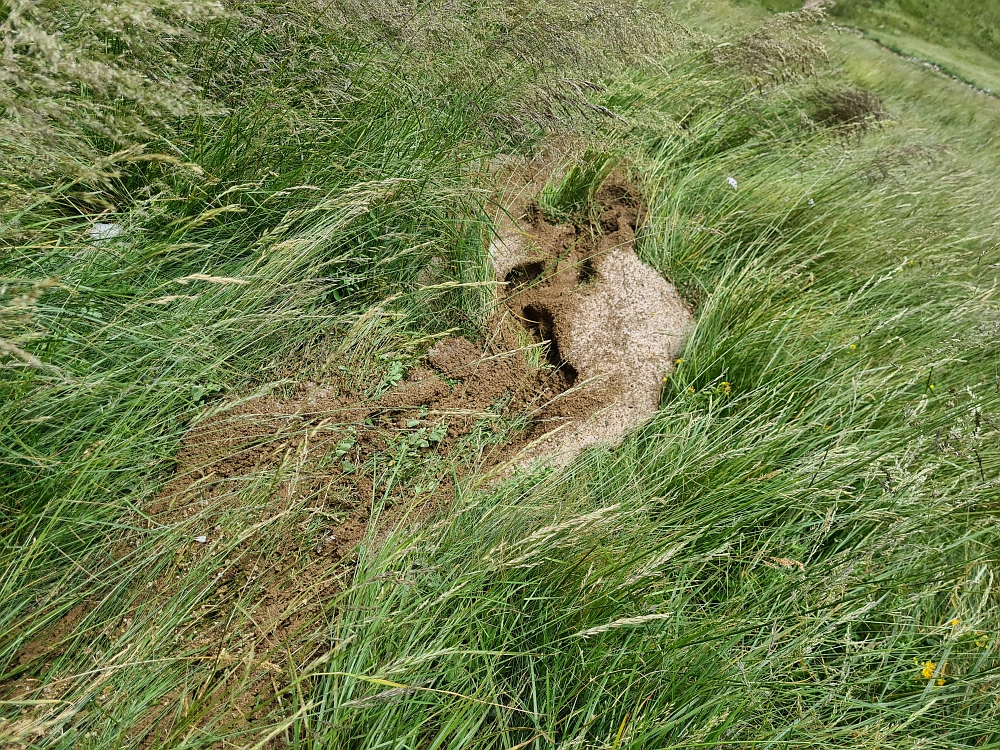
607	321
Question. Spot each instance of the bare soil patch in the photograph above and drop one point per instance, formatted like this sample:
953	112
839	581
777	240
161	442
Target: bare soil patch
607	320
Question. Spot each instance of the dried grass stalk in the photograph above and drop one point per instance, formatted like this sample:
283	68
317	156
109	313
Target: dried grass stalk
783	48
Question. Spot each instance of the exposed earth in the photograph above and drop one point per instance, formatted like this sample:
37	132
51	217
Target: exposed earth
610	322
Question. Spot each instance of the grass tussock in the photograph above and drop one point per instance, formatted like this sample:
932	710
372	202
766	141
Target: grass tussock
799	550
778	50
849	110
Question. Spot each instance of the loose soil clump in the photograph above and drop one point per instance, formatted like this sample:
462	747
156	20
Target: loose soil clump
607	320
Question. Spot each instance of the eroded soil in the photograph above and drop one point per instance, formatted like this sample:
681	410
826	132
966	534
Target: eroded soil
606	319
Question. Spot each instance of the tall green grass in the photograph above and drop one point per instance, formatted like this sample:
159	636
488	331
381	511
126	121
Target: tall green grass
309	161
774	560
800	550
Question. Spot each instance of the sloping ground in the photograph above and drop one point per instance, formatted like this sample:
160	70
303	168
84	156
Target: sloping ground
798	549
960	40
609	327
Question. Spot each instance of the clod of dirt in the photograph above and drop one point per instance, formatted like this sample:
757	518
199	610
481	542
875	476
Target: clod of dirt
610	323
454	356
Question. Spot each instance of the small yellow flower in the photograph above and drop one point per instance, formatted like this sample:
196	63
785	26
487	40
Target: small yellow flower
953	622
691	389
932	386
678	360
726	387
928	670
982	641
854	346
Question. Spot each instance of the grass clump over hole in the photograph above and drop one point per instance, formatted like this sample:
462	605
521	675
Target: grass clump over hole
571	197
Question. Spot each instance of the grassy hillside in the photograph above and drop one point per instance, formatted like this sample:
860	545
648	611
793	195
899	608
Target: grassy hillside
948	24
962	39
216	209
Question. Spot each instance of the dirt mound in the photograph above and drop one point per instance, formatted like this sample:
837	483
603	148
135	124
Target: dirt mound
609	322
609	328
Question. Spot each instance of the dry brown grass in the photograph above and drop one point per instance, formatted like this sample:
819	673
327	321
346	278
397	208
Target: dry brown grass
781	49
849	110
82	79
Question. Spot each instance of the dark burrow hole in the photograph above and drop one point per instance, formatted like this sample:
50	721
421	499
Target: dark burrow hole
587	270
525	273
539	322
